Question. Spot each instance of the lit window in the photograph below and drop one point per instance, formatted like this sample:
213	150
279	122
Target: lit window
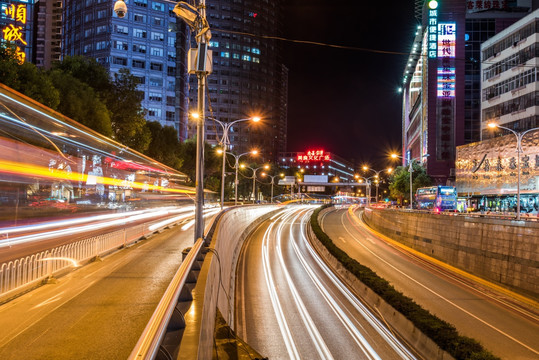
235	56
214	44
225	54
255	51
256	60
246	58
157	52
158	6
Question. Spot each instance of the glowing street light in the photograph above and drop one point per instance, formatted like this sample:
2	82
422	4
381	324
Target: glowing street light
377	176
519	136
236	167
265	167
225	143
410	170
272	182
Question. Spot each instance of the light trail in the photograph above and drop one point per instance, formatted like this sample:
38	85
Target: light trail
277	307
378	326
23	169
438	295
82	220
315	335
134	216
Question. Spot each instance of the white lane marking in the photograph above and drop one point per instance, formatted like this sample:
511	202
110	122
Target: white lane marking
316	337
342	313
277	308
439	295
48	301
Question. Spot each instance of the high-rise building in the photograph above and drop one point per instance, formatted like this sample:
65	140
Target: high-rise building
48	33
149	41
441	92
249	78
509	68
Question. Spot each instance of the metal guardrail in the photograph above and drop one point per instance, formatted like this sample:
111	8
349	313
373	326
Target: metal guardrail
149	345
31	270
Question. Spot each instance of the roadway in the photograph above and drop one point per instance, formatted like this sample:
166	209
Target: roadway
502	324
97	311
290	306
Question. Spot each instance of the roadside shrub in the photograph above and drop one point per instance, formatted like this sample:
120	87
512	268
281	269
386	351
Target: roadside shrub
441	332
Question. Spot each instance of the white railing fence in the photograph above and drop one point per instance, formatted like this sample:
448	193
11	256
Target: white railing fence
33	269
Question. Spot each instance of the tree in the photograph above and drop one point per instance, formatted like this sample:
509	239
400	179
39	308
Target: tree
400	181
120	95
87	70
27	78
80	102
212	164
128	122
164	146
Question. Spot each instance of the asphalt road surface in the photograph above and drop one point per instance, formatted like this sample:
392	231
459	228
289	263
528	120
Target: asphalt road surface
290	306
97	311
505	326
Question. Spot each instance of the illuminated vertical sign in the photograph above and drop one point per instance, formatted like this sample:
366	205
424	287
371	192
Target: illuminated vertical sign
14	32
433	30
447	36
446	84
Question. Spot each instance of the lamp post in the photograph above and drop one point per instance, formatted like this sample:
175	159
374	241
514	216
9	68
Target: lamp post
519	136
225	142
410	170
266	167
195	18
367	186
272	182
236	167
377	176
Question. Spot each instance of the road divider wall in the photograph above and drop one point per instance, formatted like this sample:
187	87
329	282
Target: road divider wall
431	336
503	251
216	284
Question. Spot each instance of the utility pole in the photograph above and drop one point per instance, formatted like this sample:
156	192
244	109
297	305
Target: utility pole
201	77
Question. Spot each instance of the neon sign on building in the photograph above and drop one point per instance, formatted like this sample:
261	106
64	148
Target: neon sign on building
314	155
14	31
433	30
447	36
446	84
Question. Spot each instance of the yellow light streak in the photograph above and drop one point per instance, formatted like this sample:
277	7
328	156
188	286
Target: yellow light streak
44	172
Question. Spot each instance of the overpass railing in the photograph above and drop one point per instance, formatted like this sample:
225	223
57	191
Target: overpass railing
18	275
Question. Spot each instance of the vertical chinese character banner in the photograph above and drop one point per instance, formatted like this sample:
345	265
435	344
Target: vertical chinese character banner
15	27
445	113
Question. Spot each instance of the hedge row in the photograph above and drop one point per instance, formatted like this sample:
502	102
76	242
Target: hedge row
440	331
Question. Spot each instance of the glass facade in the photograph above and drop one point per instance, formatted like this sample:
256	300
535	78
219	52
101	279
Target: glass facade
145	41
249	78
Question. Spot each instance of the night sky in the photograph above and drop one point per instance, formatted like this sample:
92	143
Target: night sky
346	101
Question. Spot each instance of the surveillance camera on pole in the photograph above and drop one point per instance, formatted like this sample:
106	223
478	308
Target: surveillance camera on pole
120	8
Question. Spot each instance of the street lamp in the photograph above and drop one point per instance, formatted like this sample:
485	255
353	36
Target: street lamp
195	18
360	179
410	170
272	182
236	167
519	136
365	168
225	142
265	167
